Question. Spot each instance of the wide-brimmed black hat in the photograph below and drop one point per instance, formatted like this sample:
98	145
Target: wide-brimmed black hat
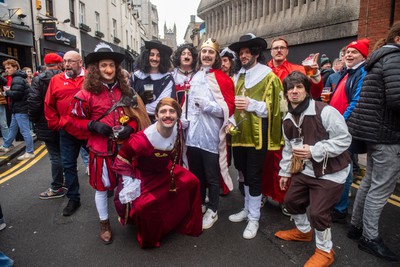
248	40
159	46
104	51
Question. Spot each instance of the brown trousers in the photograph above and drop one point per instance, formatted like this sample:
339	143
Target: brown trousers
319	194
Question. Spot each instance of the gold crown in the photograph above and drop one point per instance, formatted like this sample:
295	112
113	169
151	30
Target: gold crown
211	42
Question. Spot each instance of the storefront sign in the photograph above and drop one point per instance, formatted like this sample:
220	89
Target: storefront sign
15	35
7	33
63	38
49	29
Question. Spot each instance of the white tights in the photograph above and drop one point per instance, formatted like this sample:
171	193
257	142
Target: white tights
101	204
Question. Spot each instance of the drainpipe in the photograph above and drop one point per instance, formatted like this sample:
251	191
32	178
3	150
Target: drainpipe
392	7
33	36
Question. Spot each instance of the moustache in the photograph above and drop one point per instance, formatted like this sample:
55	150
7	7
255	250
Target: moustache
206	58
167	119
186	59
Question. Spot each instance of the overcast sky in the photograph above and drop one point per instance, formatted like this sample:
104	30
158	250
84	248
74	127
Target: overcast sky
178	12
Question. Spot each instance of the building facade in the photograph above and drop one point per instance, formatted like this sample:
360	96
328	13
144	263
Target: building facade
376	17
16	32
309	26
31	29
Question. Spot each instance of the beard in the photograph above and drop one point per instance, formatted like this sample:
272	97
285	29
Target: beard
249	64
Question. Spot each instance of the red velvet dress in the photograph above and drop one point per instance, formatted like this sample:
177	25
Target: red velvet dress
157	211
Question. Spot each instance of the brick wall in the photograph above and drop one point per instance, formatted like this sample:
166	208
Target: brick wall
374	19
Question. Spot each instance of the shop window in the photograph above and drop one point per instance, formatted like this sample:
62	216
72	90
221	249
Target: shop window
72	12
97	17
82	18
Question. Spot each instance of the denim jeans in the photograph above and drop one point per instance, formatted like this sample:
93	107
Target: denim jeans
21	121
343	203
70	147
84	156
3	121
57	173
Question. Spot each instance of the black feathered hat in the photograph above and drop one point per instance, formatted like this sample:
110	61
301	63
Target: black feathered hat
155	44
104	51
249	40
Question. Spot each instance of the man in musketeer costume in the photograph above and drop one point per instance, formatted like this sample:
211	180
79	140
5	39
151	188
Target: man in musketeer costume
110	112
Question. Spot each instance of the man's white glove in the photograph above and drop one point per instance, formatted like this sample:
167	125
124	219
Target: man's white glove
200	102
131	189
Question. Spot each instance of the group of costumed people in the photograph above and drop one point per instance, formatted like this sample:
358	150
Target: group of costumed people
210	105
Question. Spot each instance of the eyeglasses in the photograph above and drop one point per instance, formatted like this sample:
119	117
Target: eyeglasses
279	48
70	61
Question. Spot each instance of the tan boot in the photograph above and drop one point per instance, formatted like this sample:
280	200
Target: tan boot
105	232
295	235
320	259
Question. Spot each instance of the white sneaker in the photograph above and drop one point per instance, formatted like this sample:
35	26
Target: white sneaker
251	230
2	226
240	216
26	156
209	218
203	209
4	149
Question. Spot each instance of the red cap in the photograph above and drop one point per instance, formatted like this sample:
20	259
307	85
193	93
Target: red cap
361	45
52	58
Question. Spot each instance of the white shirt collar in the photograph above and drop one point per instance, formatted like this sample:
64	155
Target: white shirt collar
254	75
80	74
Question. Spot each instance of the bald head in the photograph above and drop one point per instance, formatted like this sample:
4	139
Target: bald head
73	54
72	63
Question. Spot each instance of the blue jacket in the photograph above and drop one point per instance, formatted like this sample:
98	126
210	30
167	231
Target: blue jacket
352	87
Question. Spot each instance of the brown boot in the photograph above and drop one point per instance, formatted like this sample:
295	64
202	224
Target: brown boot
105	232
295	235
320	259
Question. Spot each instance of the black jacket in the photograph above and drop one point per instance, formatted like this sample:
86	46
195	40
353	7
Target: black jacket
18	93
376	118
36	97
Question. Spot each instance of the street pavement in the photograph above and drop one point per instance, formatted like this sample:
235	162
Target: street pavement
38	235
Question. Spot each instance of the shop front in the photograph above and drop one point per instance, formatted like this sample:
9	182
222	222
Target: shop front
61	42
16	42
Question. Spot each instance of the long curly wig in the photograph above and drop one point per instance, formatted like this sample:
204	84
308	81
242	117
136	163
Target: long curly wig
144	64
176	57
93	84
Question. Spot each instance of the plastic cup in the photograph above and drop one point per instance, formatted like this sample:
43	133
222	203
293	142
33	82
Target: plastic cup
117	129
326	94
297	142
309	71
148	91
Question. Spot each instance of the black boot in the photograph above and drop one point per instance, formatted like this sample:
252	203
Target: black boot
354	232
376	247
